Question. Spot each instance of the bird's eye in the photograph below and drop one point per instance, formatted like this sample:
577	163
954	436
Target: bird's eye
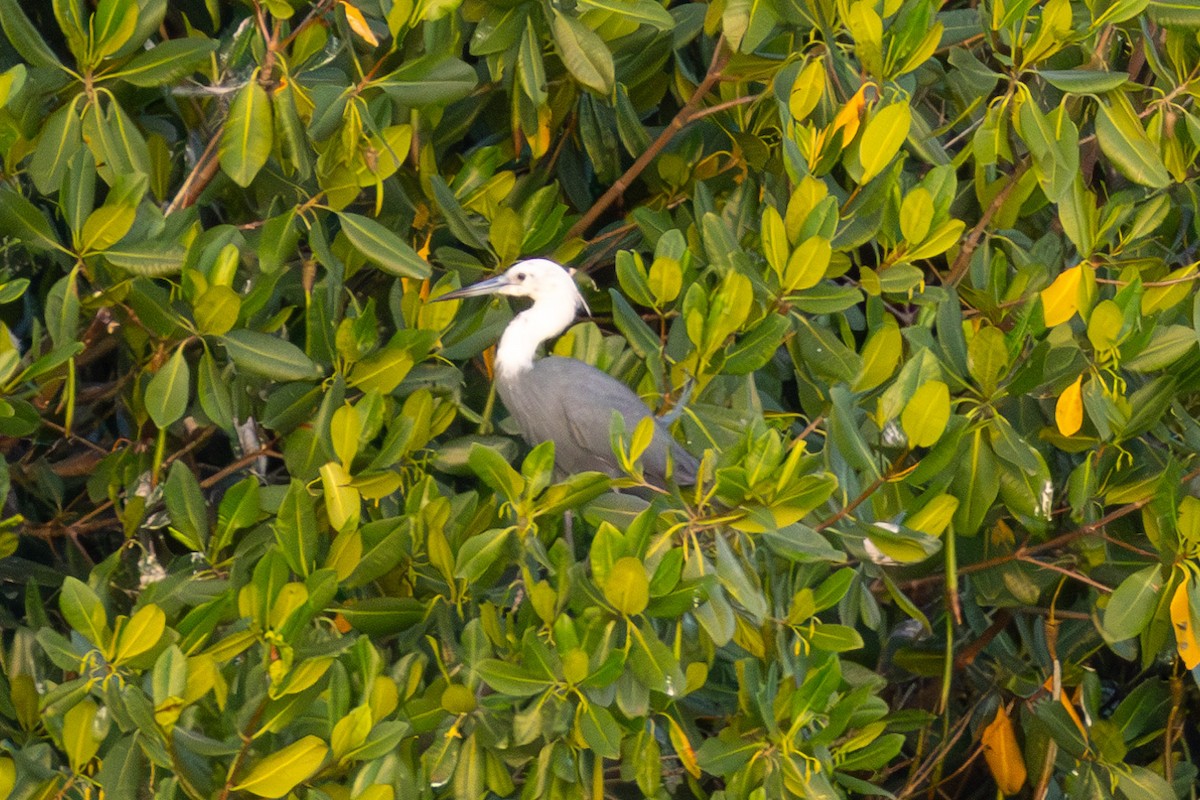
520	276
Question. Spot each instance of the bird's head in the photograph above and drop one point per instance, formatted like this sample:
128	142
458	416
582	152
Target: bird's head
539	279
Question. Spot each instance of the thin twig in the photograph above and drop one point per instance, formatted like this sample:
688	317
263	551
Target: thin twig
247	740
1026	559
959	268
1058	541
863	495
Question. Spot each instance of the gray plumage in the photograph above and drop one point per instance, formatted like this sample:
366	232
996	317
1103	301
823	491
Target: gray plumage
570	403
564	400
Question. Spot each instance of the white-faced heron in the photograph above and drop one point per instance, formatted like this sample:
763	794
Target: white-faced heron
564	400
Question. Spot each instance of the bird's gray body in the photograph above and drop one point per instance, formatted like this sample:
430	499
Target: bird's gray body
570	403
562	400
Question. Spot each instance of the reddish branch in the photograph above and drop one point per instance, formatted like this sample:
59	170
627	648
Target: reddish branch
686	114
1025	551
959	268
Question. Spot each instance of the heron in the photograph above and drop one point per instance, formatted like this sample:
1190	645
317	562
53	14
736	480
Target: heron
563	400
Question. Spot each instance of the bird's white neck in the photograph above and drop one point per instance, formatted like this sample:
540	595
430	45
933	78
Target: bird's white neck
543	320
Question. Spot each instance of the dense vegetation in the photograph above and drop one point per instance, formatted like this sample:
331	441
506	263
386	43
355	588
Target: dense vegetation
920	278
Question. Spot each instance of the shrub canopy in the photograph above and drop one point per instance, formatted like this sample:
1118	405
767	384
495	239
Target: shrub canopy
921	278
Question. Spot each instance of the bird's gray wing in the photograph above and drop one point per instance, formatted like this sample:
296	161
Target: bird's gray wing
586	398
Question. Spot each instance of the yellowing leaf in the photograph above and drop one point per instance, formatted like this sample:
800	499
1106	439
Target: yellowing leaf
627	588
1185	631
1003	755
141	633
358	24
925	416
279	773
934	518
807	90
1068	411
849	117
1060	300
882	137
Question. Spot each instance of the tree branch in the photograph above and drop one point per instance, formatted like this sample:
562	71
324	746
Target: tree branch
682	118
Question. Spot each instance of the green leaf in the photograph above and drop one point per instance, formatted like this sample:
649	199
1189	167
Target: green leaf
21	220
643	12
987	358
167	392
283	770
975	484
1127	145
216	311
511	679
113	24
494	471
1132	605
185	504
296	528
25	38
384	616
480	553
269	356
79	739
246	139
11	82
151	259
62	309
213	392
456	217
653	662
926	414
599	729
141	633
1168	344
1084	81
584	54
82	610
167	62
382	247
1140	783
1053	150
429	81
123	769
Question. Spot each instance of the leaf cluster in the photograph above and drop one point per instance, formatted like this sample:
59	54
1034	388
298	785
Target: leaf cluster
916	282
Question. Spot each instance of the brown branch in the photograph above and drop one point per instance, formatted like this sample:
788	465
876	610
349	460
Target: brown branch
685	115
863	495
1027	559
959	268
247	740
200	176
1022	552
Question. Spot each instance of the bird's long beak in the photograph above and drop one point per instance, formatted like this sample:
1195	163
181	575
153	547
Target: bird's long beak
489	286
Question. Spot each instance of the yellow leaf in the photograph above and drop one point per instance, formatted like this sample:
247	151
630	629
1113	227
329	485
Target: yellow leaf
278	773
141	633
1060	300
1185	630
683	747
358	24
807	90
925	415
1068	411
1003	755
848	119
